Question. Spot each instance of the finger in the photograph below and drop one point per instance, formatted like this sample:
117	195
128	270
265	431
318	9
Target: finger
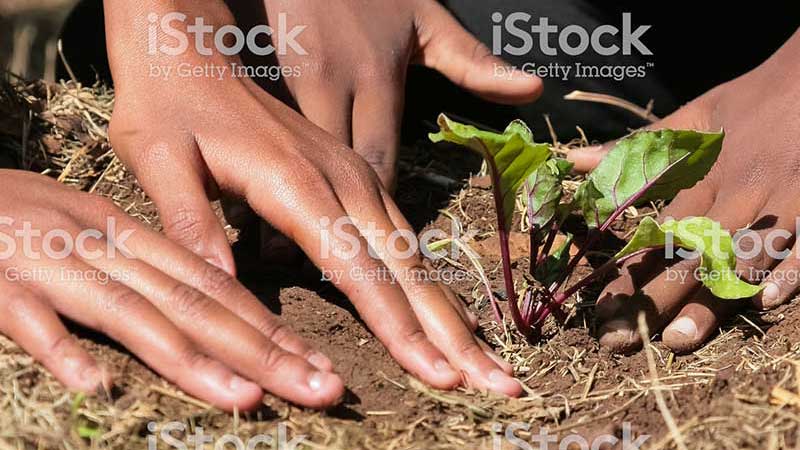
782	283
34	325
310	214
662	298
328	106
174	175
697	321
439	318
638	271
444	45
694	116
226	337
764	242
131	320
377	141
186	268
467	316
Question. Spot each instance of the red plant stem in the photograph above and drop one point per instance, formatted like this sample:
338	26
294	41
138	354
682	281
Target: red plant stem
635	197
527	303
591	239
534	255
548	245
561	297
508	276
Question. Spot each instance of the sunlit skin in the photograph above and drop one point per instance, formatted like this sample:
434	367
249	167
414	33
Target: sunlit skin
755	183
187	139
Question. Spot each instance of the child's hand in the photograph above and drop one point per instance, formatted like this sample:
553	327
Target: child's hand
189	321
753	185
352	83
187	137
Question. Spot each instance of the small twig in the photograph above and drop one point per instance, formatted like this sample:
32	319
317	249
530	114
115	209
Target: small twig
677	437
182	397
60	49
644	113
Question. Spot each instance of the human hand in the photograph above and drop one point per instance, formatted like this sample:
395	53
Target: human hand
352	83
754	186
186	138
188	320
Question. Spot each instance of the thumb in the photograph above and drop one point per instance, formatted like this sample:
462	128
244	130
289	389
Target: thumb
444	45
695	115
174	176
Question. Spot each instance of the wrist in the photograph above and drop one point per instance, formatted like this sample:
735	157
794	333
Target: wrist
141	34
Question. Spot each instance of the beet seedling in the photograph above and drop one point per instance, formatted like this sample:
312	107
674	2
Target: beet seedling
642	167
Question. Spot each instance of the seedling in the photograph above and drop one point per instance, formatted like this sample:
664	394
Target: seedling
642	167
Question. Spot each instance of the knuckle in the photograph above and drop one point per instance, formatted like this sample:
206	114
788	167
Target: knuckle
273	358
414	336
469	349
215	281
753	269
63	345
376	156
275	330
190	357
122	300
101	206
306	175
359	177
185	226
190	303
117	128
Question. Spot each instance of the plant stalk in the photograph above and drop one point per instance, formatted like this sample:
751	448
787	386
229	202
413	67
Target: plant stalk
508	276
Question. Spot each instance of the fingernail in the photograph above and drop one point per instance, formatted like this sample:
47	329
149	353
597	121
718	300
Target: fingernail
443	367
239	384
503	383
500	361
769	296
318	379
684	326
92	374
320	361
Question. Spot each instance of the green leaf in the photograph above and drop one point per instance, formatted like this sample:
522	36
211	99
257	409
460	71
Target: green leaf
544	191
88	432
554	264
512	156
704	236
645	166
